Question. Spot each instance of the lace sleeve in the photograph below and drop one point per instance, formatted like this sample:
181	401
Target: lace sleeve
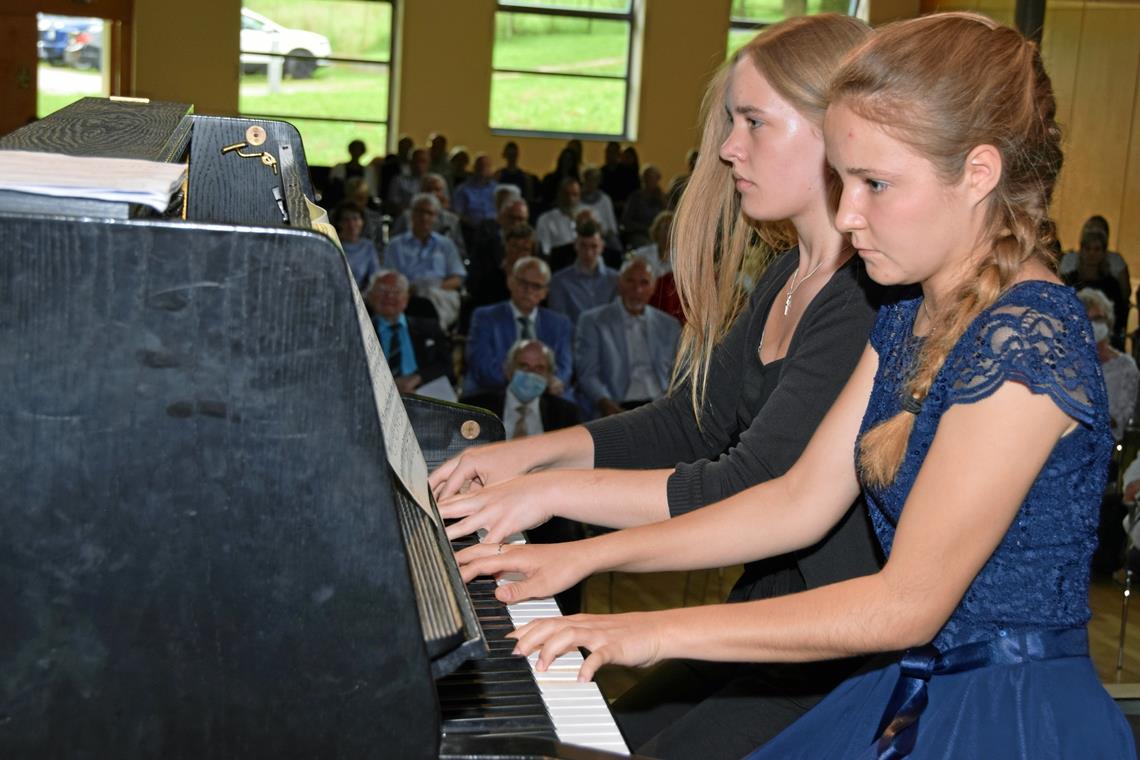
1040	338
893	319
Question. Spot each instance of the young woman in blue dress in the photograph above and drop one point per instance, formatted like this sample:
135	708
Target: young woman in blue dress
976	423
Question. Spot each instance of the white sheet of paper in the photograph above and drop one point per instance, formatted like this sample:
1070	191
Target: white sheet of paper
399	439
440	388
125	180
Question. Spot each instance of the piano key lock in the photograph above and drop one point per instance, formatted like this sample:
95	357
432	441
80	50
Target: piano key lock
265	156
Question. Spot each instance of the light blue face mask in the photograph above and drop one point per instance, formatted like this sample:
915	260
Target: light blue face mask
527	386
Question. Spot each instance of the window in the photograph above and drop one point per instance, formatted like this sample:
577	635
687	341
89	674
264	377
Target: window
323	66
72	60
748	16
563	67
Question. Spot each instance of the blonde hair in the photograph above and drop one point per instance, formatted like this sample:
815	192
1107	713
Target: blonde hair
944	84
712	239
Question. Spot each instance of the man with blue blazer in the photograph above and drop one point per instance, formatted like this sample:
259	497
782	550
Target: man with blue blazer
624	351
495	328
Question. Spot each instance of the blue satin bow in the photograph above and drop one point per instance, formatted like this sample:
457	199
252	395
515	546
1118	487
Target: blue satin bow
898	729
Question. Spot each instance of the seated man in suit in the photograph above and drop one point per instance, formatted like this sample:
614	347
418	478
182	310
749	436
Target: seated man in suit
588	282
418	352
527	408
624	351
495	328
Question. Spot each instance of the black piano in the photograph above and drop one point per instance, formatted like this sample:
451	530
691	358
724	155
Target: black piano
215	538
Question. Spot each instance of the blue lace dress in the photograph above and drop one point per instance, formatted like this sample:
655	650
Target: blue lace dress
1037	579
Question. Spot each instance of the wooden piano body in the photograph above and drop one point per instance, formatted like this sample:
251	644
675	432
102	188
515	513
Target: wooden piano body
203	549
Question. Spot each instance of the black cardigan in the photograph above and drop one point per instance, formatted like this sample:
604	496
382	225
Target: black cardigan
757	421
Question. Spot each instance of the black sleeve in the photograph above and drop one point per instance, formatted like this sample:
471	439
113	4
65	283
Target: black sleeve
819	362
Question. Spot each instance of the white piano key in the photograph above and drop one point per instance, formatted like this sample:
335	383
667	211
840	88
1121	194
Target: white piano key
578	710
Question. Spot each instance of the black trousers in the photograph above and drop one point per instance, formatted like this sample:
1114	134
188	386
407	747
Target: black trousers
711	710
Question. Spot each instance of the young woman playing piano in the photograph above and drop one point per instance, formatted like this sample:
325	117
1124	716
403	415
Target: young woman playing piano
762	371
976	423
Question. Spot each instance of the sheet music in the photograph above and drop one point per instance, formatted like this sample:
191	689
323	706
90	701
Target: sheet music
125	180
399	439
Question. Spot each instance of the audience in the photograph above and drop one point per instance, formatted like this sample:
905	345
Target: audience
495	328
659	256
489	243
624	351
459	161
405	185
642	207
519	241
429	260
588	282
358	194
1093	271
680	182
611	169
446	224
438	158
1116	264
552	184
525	405
418	353
361	253
556	227
340	174
475	198
593	197
513	174
1121	377
393	165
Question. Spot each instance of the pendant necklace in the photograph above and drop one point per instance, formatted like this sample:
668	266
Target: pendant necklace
796	286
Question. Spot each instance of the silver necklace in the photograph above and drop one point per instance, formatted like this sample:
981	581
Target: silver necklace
796	286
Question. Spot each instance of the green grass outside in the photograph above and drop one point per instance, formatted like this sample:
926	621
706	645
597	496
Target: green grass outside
342	91
557	104
603	52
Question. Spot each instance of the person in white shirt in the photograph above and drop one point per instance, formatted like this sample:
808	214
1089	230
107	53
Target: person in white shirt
556	227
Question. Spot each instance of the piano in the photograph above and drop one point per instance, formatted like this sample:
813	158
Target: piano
216	537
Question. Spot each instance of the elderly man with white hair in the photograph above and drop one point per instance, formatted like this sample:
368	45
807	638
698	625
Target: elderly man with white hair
429	260
446	224
418	352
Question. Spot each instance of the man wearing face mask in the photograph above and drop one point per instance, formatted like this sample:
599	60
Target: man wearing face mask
526	406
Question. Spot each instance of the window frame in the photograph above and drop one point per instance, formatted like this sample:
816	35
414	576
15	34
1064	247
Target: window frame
629	16
390	65
746	24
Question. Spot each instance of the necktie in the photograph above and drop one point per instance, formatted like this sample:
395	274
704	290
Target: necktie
526	329
395	356
520	426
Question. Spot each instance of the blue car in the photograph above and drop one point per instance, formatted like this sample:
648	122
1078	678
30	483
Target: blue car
57	32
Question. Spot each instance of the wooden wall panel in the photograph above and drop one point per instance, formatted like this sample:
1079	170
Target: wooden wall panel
17	71
1096	112
1127	231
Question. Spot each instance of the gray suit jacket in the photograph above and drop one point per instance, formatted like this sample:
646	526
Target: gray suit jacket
601	356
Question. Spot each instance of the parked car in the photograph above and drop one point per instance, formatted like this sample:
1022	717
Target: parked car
56	32
304	50
85	49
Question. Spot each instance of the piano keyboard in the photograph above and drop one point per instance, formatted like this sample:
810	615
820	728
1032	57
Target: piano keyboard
505	695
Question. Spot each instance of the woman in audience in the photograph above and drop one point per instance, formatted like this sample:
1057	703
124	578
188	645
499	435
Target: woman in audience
942	131
1121	376
361	253
758	375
